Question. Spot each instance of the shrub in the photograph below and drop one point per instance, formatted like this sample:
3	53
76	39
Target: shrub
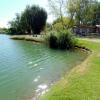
61	40
66	40
52	40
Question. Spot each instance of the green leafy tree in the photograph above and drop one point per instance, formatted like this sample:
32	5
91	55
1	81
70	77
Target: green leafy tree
96	17
81	11
31	21
57	24
26	21
48	27
38	17
15	25
98	13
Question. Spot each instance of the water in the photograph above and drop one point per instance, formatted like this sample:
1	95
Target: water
27	69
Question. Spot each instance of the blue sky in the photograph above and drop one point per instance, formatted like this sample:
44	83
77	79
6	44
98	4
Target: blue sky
8	9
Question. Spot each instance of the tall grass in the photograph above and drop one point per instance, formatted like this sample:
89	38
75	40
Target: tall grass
63	39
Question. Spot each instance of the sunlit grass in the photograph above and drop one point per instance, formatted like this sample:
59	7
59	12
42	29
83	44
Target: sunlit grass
83	82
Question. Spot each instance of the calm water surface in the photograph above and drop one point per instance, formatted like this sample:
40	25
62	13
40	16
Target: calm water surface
27	68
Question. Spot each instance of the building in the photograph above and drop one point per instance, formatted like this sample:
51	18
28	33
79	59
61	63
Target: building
84	30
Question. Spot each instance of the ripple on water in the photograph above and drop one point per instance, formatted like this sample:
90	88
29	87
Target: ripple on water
26	68
36	79
41	89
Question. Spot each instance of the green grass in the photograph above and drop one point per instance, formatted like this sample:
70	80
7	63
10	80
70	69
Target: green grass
83	82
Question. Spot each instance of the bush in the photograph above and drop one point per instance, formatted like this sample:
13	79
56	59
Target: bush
52	40
61	40
66	40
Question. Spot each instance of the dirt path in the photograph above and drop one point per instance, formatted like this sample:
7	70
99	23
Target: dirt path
93	40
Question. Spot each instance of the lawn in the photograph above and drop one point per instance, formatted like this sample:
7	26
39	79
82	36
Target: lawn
83	81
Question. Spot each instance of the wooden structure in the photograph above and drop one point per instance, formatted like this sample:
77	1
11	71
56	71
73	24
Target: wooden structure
84	30
98	29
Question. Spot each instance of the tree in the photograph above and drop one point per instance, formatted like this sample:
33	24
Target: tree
26	21
96	17
57	8
81	11
15	25
57	24
31	21
98	13
38	17
48	26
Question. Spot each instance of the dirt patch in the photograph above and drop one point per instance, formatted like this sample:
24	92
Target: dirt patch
83	67
93	40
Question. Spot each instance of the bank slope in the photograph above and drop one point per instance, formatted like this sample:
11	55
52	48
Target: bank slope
83	82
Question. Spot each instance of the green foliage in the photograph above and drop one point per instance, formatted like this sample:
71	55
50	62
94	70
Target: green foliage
96	17
52	40
61	40
12	31
15	25
38	19
81	11
57	24
66	40
82	83
31	21
3	30
48	27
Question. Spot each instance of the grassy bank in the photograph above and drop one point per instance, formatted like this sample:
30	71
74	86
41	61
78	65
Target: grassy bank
83	82
39	38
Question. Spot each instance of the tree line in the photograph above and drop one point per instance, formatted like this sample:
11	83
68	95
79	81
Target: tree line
77	12
31	21
67	13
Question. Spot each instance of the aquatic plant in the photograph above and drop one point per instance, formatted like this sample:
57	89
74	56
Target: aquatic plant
63	39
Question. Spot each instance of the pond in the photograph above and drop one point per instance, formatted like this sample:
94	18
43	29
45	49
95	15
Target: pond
27	69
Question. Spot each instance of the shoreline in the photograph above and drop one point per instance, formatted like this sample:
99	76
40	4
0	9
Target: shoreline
39	38
74	68
71	83
77	68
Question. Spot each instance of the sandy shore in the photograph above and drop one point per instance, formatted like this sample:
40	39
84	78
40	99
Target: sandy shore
39	38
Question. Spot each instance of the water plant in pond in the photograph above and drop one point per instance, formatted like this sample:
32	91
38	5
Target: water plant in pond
63	39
